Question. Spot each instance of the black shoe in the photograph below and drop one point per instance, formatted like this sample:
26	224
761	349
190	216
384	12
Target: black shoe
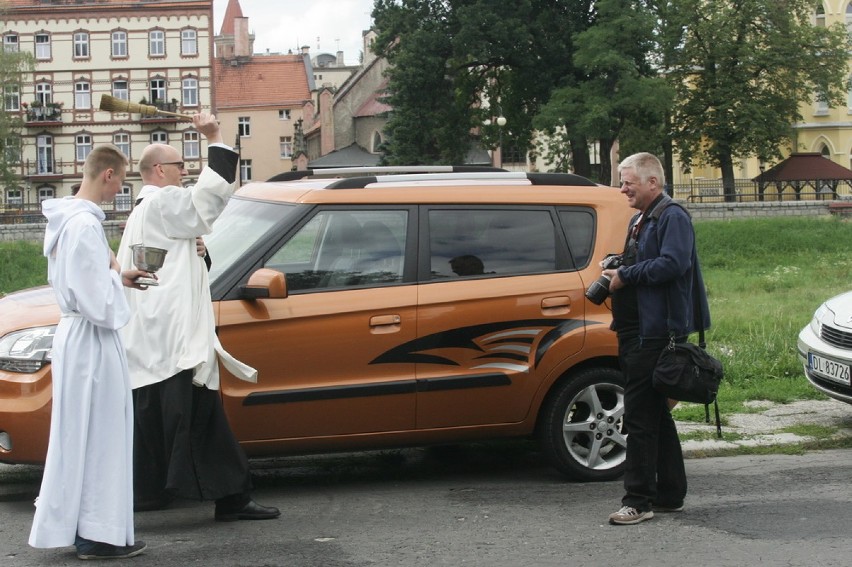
87	549
251	511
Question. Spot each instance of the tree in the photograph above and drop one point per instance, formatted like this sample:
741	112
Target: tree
12	67
455	64
615	87
741	69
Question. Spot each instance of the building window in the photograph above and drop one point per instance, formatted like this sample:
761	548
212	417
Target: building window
188	42
121	140
157	43
120	90
45	193
191	145
820	16
119	44
244	126
10	43
190	91
377	142
44	93
821	104
11	97
42	46
286	145
82	95
158	90
81	45
14	197
124	198
44	154
245	170
284	114
83	145
12	150
159	137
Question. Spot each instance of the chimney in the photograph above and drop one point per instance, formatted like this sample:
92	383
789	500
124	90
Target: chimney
306	49
340	59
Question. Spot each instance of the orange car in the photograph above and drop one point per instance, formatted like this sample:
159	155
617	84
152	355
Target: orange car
392	310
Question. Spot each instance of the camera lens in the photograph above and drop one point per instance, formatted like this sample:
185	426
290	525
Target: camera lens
599	290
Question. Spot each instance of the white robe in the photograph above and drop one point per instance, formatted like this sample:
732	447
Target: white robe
172	327
87	487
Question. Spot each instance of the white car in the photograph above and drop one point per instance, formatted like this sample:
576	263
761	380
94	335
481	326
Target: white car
825	347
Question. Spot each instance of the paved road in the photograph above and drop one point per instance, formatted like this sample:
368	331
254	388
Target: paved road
487	505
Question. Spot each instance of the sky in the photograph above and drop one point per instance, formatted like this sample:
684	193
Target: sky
326	26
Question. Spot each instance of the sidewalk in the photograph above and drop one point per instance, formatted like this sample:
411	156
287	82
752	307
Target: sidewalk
766	426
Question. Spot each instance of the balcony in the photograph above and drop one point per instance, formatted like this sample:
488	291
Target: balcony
43	169
45	115
159	118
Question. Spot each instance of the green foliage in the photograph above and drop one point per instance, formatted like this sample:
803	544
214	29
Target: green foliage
454	65
22	265
12	65
741	71
615	85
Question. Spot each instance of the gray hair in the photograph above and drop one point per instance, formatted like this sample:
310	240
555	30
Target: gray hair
645	165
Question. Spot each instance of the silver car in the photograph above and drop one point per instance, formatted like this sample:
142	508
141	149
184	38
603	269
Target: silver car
825	347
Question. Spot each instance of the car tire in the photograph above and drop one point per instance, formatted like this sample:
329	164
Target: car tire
582	427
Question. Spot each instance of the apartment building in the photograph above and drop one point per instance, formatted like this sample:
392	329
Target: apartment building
155	52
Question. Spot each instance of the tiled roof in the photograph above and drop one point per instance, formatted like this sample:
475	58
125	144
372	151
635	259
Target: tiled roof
804	167
261	80
373	106
234	10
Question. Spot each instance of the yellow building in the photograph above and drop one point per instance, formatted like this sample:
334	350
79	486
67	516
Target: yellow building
156	52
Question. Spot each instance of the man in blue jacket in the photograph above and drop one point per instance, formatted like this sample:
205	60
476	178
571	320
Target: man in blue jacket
652	301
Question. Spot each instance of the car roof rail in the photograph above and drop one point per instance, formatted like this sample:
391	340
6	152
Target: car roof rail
563	179
364	171
559	179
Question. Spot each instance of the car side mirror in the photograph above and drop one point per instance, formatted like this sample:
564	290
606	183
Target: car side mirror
265	284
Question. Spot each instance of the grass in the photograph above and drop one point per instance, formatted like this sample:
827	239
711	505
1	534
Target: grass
765	278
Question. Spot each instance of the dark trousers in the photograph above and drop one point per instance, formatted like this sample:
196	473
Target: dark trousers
184	446
654	471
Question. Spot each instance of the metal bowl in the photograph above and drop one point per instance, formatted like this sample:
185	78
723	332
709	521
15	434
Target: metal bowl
148	258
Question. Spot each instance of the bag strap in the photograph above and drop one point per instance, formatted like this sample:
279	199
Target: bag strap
696	306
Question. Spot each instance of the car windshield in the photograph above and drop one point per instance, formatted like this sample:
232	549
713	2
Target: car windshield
241	225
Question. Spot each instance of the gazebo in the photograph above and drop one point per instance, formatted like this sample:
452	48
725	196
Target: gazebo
808	174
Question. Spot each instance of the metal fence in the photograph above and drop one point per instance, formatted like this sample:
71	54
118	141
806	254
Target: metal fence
26	213
747	191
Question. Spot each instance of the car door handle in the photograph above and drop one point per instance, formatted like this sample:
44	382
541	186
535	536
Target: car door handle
556	305
385	323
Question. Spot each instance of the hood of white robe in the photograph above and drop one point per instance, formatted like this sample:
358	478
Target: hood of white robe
59	212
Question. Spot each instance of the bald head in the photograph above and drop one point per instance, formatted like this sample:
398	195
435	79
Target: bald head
161	165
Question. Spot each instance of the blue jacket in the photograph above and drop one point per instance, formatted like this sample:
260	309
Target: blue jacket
666	264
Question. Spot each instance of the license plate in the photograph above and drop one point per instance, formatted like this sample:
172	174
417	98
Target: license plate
829	368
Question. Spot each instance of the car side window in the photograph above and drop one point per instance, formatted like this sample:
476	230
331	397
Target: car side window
490	242
344	248
579	227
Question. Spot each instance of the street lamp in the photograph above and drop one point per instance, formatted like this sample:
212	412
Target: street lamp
501	121
497	153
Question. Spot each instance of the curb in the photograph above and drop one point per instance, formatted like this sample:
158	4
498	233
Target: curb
768	425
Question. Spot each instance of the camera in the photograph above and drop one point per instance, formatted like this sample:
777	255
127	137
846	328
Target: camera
599	290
